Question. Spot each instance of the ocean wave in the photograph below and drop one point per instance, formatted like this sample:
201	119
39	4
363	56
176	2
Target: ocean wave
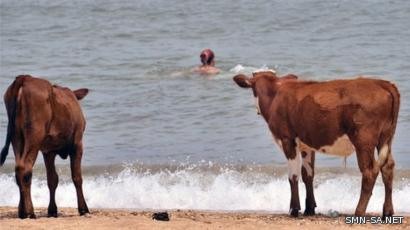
237	69
225	190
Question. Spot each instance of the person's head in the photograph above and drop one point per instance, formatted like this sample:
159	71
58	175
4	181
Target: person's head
207	57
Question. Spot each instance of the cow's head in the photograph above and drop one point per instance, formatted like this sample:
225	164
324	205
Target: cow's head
264	84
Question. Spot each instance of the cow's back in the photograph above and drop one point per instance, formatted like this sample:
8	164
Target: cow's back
332	94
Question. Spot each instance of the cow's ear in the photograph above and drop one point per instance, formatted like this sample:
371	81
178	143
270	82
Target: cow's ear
80	93
242	81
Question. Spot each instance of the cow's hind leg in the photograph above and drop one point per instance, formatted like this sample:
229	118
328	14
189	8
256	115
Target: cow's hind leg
308	173
75	161
52	182
294	165
387	174
24	173
369	169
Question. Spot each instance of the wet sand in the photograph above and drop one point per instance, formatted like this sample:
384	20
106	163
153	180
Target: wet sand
179	219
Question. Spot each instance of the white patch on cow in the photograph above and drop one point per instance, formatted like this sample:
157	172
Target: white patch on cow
307	162
302	147
384	151
341	147
294	166
258	109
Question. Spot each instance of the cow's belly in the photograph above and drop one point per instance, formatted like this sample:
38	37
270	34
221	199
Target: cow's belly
341	147
57	141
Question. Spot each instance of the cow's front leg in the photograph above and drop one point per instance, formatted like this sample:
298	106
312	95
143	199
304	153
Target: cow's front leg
294	166
308	173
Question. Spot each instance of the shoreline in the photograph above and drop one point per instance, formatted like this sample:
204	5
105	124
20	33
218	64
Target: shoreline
180	219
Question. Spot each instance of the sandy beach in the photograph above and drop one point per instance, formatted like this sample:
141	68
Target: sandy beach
179	219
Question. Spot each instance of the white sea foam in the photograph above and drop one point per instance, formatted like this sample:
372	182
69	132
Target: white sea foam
249	69
226	190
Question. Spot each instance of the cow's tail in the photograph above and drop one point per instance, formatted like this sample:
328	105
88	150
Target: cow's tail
385	146
394	92
10	99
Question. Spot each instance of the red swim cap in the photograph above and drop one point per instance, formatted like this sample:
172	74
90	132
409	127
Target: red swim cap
207	56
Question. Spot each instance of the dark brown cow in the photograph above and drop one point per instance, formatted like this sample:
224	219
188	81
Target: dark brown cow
46	118
333	117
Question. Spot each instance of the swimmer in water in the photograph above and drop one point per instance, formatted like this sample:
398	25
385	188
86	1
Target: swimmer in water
208	63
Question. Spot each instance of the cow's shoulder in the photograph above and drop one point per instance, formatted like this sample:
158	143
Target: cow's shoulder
291	87
62	91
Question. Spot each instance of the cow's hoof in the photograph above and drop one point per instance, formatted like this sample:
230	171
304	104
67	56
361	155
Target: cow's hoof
294	212
25	215
309	212
52	214
83	211
387	214
359	213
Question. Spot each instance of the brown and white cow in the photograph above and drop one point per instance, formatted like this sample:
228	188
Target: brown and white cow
333	117
47	118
